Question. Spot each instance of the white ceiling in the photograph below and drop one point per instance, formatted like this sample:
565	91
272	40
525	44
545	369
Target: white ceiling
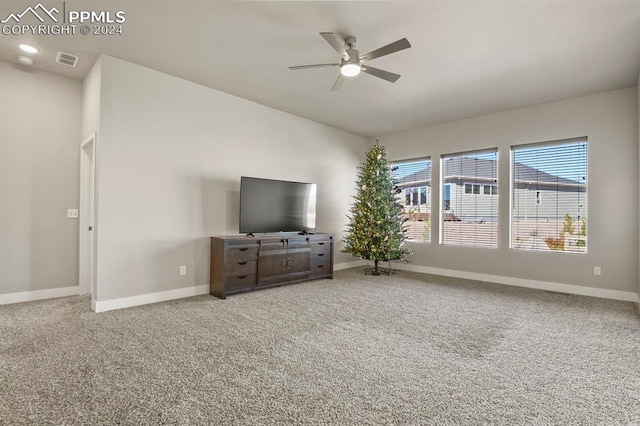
468	57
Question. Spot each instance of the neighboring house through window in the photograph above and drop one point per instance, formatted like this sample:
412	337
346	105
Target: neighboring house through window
549	196
413	181
470	204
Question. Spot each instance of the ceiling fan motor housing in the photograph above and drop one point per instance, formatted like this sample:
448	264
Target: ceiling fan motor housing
351	42
353	62
353	57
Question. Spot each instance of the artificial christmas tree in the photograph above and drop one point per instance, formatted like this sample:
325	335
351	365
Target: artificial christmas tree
376	229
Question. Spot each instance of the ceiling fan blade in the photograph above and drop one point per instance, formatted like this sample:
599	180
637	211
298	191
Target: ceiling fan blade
338	84
335	43
304	67
386	50
385	75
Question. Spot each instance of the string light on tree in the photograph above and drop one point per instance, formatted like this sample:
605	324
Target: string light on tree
376	229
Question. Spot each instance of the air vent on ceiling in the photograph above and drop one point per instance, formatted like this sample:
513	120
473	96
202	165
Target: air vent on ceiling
67	59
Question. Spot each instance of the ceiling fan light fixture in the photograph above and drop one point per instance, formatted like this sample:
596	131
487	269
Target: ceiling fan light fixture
27	48
350	69
25	60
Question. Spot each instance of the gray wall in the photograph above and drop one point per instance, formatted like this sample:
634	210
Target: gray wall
39	178
91	101
610	121
171	154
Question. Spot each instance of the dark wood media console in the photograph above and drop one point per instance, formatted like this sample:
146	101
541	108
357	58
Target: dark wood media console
243	263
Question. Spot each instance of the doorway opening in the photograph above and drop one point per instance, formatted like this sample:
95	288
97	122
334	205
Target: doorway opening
87	215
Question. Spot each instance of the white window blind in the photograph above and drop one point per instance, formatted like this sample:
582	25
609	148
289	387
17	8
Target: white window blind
413	182
549	201
470	199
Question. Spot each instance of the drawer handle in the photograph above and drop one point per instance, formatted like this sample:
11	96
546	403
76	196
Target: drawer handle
242	263
242	277
320	244
244	249
320	266
320	254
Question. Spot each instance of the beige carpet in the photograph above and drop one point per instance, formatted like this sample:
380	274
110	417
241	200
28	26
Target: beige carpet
405	349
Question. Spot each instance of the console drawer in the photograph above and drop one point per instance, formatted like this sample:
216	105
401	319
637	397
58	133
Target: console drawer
321	247
235	269
240	283
320	258
240	254
321	270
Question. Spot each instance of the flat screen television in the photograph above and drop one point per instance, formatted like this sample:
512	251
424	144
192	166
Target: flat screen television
268	205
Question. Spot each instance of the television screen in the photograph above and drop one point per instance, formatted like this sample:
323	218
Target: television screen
268	205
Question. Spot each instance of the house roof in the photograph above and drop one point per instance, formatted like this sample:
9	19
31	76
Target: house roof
418	178
467	168
526	174
470	168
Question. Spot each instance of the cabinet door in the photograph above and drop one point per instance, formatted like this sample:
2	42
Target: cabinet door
279	267
297	261
271	264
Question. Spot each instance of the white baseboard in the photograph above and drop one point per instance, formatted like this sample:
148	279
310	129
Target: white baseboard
145	299
30	296
627	296
347	265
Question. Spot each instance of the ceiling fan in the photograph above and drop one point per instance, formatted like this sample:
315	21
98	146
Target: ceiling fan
351	62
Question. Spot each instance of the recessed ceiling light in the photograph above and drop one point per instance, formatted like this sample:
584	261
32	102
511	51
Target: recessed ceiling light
25	60
27	48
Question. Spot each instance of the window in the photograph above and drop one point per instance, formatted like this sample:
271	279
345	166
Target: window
549	201
415	196
470	188
446	197
490	189
413	180
469	218
423	195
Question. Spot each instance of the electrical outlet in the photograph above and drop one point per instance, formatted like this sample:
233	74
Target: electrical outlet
72	213
597	270
183	270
